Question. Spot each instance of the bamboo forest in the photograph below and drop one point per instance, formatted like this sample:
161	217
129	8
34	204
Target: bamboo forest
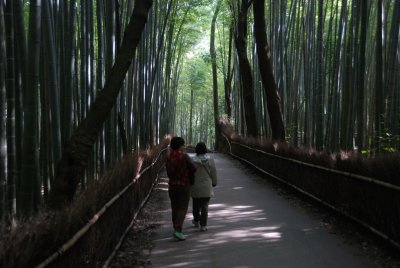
87	84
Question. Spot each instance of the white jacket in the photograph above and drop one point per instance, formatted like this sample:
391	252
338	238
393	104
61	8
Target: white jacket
204	177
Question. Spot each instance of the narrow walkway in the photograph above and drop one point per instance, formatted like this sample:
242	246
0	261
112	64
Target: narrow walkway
251	225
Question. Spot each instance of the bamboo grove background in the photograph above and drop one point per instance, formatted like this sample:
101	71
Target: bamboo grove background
336	65
335	62
55	57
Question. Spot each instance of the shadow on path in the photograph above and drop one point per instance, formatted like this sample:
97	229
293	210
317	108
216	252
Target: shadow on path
251	225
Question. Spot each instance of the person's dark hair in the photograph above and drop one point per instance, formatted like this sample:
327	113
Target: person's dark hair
201	148
176	143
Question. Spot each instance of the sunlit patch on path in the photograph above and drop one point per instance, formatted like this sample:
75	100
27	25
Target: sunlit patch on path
250	225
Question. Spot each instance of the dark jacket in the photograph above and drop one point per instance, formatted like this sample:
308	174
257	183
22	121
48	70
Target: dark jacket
179	168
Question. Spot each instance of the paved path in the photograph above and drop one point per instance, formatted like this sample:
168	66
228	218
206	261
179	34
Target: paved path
250	225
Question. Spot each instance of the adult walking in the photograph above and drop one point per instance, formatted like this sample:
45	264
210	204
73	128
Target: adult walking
179	169
202	189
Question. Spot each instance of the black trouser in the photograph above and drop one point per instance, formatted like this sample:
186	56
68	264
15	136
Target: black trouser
200	210
179	196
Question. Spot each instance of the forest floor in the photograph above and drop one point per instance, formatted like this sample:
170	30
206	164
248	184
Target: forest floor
136	251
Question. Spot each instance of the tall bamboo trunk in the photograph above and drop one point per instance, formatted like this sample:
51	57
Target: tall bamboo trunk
361	79
3	121
190	134
51	86
229	76
76	154
245	72
10	95
320	79
30	158
21	60
392	78
267	76
213	54
379	112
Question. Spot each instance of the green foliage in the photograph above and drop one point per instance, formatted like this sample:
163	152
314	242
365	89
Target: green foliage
196	72
196	76
389	142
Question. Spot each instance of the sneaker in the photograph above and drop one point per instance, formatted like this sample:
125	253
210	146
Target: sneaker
179	236
203	228
195	223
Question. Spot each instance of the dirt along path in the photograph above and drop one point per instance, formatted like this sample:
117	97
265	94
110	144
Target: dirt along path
252	223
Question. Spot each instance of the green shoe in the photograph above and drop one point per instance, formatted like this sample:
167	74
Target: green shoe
179	236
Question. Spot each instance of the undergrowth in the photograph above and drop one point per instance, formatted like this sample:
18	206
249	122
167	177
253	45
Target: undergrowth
37	238
384	167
